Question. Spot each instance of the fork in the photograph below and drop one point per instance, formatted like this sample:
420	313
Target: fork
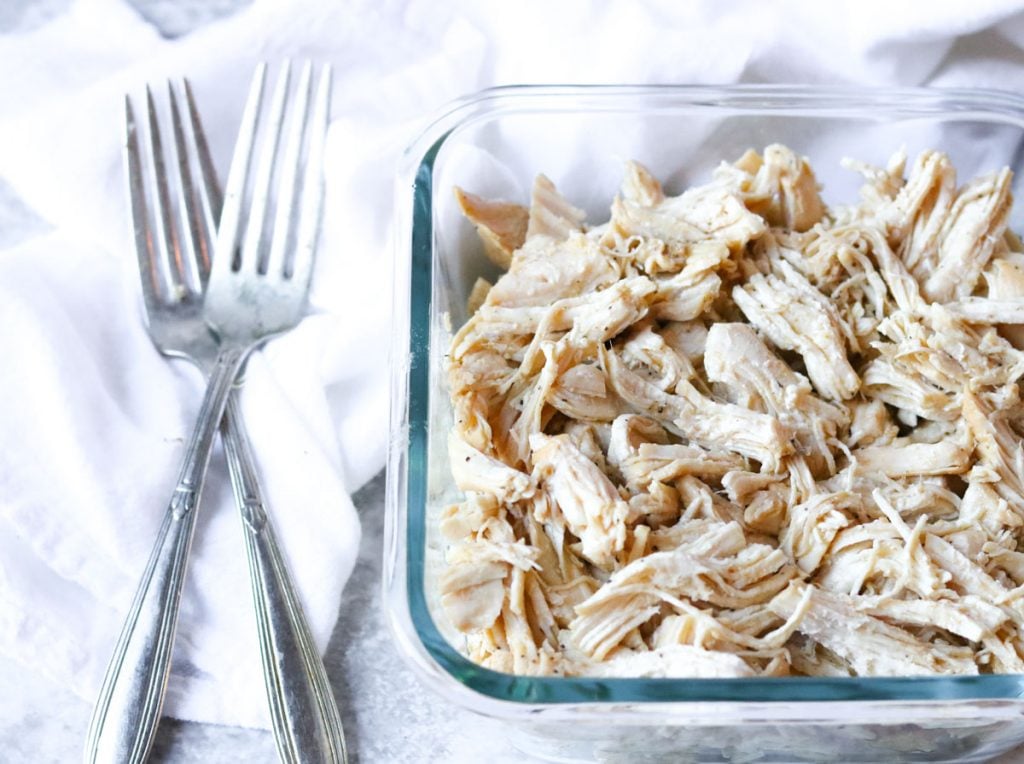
198	316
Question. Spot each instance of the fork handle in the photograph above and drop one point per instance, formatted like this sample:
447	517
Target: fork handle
127	713
307	725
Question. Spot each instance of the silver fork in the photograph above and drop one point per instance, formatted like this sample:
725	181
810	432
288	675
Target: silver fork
256	294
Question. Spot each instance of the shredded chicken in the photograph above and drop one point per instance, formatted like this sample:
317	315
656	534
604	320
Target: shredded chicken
736	432
502	226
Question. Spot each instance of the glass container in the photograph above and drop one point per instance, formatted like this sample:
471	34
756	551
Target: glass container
494	143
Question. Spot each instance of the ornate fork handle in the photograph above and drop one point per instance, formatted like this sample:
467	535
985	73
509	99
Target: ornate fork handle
307	726
127	712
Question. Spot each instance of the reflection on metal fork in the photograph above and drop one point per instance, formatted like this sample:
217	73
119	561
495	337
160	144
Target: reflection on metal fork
174	265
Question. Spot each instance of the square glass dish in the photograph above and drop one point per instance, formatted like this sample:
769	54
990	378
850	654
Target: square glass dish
493	144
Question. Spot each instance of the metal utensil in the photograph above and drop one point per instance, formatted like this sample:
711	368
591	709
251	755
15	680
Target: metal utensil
255	295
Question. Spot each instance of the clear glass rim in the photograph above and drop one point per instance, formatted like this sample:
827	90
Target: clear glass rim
410	617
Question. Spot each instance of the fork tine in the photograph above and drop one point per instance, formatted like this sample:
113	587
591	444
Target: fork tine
226	252
164	218
144	244
311	205
189	196
252	255
207	173
285	215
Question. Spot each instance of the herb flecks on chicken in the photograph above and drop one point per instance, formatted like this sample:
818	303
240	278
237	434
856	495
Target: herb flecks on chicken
738	433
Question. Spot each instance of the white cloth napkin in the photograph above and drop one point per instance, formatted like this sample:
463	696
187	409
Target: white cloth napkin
92	419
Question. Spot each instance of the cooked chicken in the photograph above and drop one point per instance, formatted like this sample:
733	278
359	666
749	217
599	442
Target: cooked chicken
737	433
888	380
982	506
871	424
581	392
639	449
811	526
982	310
779	186
1005	280
502	226
702	215
687	338
543	271
757	379
671	661
958	617
928	359
473	588
716	426
796	316
472	593
550	214
476	471
588	503
969	234
478	295
653	462
687	294
903	459
919	210
706	571
867	644
1000	451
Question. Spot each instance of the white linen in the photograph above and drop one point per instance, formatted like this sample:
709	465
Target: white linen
93	419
